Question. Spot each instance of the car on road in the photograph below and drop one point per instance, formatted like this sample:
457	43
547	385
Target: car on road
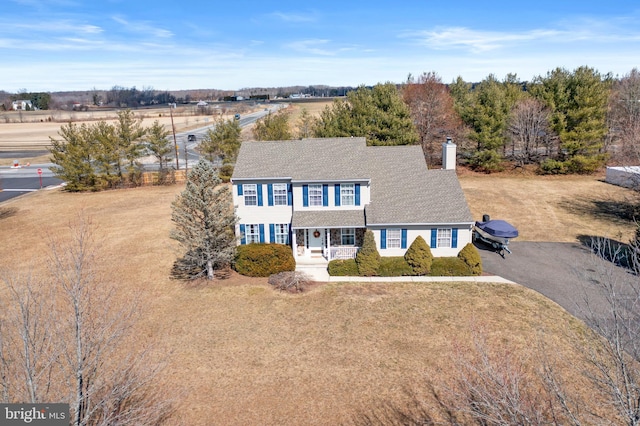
237	116
191	138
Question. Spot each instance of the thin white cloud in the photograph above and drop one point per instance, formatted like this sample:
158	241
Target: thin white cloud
294	17
479	41
311	47
142	27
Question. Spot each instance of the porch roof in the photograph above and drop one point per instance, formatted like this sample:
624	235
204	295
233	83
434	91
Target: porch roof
328	219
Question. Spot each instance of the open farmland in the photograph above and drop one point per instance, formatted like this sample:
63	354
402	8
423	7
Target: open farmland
240	353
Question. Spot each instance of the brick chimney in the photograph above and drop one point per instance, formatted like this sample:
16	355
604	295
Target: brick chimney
449	155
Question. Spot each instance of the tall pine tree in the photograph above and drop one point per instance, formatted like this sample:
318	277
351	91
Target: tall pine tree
379	114
204	222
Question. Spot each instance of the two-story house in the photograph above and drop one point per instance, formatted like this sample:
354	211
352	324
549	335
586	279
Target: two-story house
320	195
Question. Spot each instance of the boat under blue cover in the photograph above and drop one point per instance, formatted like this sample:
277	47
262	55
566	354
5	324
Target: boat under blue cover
498	228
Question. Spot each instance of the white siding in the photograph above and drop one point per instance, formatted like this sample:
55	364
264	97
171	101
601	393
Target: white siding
464	237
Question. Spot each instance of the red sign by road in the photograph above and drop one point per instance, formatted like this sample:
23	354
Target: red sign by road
40	171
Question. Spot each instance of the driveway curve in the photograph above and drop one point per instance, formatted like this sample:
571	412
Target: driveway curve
563	272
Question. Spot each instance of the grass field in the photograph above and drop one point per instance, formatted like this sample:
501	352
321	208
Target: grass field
240	353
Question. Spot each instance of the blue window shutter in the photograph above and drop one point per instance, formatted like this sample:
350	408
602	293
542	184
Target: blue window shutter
325	195
434	237
270	193
289	195
454	238
337	193
305	195
261	232
259	186
383	238
272	233
239	189
403	239
357	190
243	239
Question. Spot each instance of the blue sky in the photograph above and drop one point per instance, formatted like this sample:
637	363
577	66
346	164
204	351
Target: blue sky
54	45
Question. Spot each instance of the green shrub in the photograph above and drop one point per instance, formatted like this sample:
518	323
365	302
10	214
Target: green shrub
449	267
395	266
343	268
552	167
471	257
263	260
419	256
368	258
581	164
488	161
225	173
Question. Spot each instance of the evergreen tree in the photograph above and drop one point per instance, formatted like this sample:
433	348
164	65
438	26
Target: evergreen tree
379	114
419	256
204	223
368	258
158	143
578	103
222	141
306	123
129	132
273	127
73	156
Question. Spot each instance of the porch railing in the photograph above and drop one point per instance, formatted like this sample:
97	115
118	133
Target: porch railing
342	253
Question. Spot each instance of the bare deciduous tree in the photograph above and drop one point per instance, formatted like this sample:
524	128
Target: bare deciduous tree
529	130
624	117
614	353
63	339
432	110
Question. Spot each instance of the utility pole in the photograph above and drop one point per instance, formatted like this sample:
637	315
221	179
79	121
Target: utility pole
175	142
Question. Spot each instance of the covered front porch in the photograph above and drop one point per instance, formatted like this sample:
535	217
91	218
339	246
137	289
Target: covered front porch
325	236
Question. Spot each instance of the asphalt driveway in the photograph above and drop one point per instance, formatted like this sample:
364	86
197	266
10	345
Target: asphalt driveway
566	273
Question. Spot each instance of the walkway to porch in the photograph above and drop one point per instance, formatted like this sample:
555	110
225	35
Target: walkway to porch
316	268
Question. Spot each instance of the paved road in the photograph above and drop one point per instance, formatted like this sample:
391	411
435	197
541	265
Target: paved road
563	272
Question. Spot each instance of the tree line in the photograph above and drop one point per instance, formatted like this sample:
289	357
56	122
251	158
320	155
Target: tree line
564	122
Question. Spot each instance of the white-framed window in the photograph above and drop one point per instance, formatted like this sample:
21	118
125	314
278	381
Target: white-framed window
444	238
252	233
348	236
281	233
250	194
394	238
347	194
315	195
279	194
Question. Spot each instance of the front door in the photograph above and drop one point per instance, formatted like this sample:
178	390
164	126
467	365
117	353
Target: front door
316	242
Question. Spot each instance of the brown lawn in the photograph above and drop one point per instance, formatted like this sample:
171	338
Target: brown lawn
552	208
240	353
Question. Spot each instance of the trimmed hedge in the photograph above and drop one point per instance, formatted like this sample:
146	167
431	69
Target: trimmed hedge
368	258
263	260
449	267
395	266
471	257
419	256
343	268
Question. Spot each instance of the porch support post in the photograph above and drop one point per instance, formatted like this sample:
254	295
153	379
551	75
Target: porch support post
328	233
294	244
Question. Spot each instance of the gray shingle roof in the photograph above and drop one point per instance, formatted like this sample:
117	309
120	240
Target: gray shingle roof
328	219
403	191
306	159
